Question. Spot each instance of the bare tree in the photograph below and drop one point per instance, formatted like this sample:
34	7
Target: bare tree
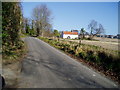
32	24
95	28
42	18
27	26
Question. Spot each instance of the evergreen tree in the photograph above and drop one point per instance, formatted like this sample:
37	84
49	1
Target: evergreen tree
11	24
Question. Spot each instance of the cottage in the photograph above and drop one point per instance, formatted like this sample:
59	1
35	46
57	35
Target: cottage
74	30
69	35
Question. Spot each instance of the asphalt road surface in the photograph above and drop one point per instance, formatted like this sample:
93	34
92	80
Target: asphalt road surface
47	67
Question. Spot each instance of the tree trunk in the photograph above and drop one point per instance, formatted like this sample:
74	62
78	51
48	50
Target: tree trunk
38	31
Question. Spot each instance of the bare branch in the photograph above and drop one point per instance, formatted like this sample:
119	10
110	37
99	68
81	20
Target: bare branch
95	28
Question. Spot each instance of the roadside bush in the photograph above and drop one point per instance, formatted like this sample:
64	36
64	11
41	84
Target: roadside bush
83	55
11	50
78	50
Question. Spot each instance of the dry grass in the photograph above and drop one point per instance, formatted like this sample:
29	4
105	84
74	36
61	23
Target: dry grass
105	39
106	43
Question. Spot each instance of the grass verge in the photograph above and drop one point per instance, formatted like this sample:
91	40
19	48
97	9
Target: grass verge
13	54
11	64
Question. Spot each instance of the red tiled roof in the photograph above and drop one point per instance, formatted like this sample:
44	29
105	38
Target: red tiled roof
72	33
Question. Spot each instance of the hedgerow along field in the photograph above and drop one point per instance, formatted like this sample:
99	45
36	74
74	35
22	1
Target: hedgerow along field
104	59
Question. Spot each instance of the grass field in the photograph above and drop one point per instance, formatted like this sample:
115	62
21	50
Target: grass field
106	43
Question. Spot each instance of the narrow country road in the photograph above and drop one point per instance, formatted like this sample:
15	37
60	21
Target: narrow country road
47	67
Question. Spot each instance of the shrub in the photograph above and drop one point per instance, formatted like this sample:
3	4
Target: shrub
83	55
78	50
